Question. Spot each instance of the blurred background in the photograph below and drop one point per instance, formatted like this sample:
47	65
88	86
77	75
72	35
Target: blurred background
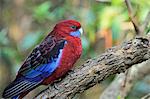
24	23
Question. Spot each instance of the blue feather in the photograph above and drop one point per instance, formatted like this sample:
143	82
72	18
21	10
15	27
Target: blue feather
40	64
44	70
76	33
33	73
15	97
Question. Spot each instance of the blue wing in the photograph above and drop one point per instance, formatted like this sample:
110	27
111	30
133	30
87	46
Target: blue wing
41	63
43	60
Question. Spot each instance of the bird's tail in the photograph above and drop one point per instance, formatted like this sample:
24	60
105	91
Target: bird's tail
20	96
19	88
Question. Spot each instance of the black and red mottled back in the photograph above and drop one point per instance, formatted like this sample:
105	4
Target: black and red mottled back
49	60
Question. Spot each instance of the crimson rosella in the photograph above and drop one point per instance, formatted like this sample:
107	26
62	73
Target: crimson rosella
49	60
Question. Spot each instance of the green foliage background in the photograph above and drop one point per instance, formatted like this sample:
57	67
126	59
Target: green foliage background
24	23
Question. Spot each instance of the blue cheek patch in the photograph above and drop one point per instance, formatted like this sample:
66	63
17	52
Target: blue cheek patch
76	33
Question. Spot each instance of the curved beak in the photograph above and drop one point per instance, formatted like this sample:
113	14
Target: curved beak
81	31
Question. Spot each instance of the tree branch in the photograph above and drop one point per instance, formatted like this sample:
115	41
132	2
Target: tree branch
115	60
136	74
129	80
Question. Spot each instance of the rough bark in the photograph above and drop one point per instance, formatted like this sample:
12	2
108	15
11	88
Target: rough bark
115	60
121	87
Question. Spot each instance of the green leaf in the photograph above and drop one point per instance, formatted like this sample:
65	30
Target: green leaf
117	2
108	16
118	97
41	12
8	52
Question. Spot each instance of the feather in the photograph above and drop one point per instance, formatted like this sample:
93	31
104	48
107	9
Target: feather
61	48
15	97
32	72
45	61
17	87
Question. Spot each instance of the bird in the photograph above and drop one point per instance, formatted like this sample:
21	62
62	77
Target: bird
48	61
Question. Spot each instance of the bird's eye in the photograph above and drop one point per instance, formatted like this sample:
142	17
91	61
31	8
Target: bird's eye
73	27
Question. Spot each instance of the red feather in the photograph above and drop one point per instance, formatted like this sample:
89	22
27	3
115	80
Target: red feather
67	31
71	53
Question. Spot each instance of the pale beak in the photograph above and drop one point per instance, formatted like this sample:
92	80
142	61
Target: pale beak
81	31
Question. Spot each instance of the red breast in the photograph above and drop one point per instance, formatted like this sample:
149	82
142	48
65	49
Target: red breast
71	52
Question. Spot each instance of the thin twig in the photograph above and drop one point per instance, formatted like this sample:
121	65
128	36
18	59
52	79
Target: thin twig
136	74
132	18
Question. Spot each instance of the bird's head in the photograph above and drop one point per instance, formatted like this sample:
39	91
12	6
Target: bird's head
68	28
